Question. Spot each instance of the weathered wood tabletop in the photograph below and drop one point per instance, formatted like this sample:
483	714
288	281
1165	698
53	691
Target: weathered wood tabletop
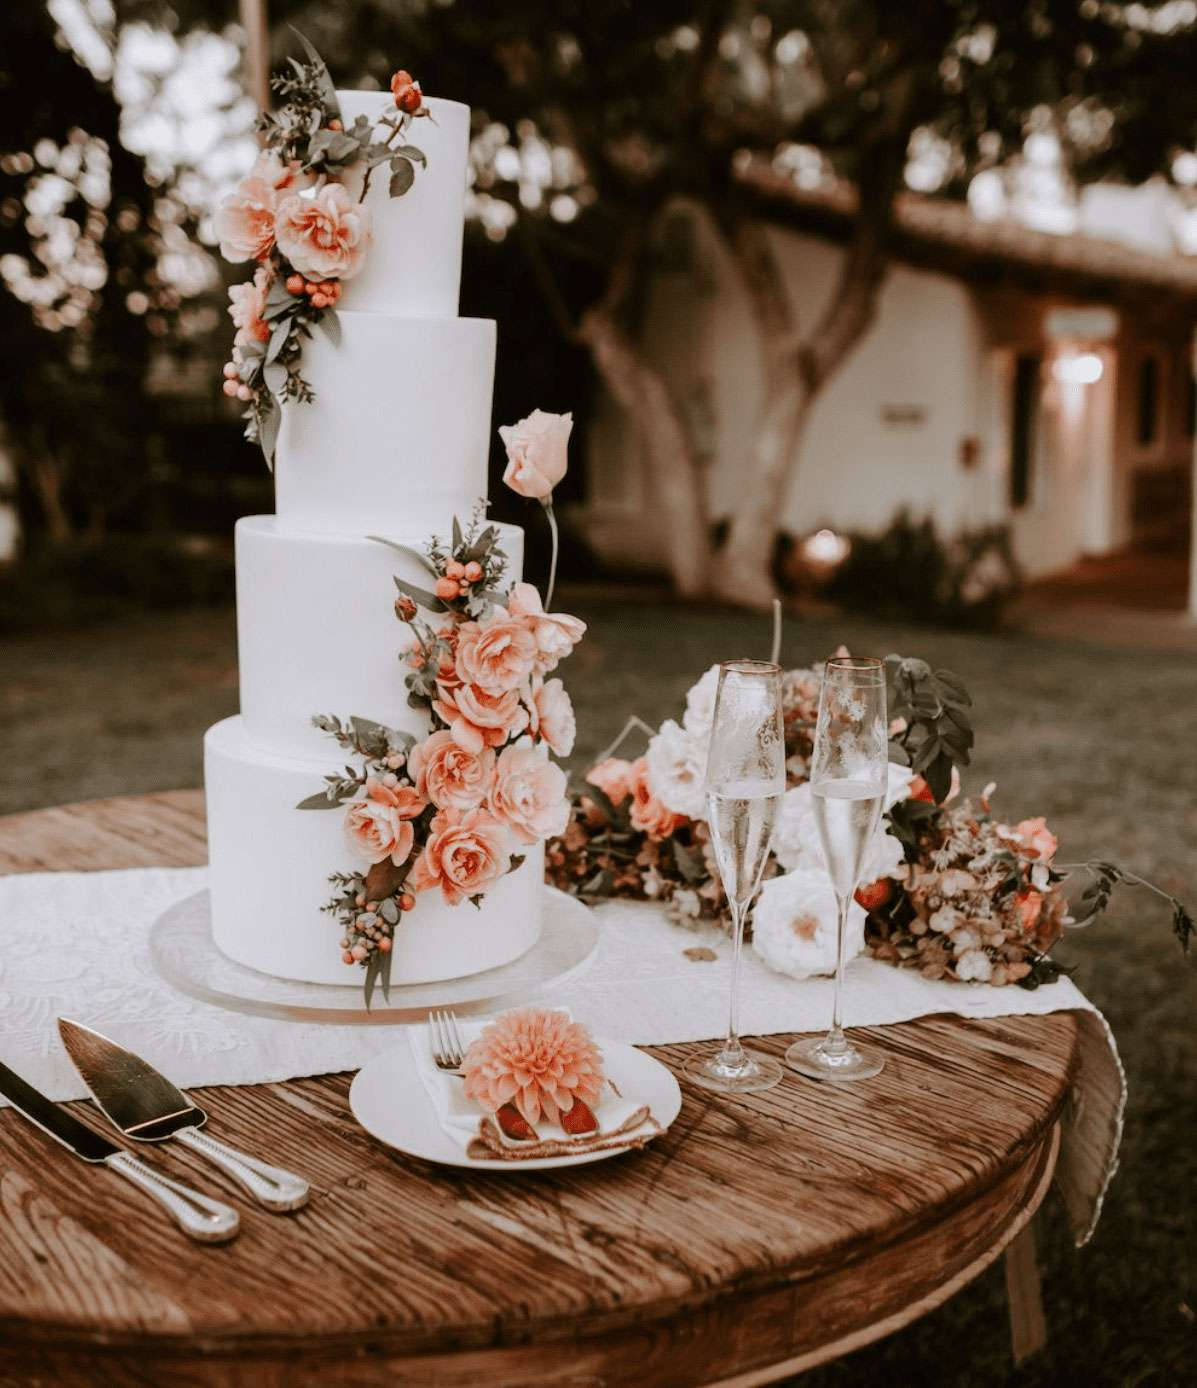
760	1236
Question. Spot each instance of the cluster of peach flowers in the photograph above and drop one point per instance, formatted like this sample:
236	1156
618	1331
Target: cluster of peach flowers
301	215
979	901
539	1061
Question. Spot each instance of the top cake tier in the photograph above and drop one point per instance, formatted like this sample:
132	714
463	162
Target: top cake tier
413	268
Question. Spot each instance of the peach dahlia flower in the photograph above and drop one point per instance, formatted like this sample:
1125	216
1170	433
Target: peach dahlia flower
537	1059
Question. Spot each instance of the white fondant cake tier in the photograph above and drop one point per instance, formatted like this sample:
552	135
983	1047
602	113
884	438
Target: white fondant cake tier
317	632
413	266
399	431
268	877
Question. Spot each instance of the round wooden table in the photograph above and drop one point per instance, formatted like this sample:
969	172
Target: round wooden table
760	1236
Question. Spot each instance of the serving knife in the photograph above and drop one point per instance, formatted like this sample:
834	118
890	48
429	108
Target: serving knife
146	1107
202	1218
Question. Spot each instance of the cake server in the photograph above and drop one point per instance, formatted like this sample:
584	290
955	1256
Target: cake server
145	1106
204	1219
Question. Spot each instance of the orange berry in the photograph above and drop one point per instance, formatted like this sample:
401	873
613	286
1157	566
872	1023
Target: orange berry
407	901
447	589
335	124
473	571
320	300
454	570
294	284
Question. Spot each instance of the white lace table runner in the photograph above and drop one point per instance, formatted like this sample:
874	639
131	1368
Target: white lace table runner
76	944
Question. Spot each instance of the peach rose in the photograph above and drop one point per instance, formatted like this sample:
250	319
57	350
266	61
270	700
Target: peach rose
451	777
647	813
245	220
478	719
614	777
1035	839
918	789
247	304
536	453
555	633
378	827
466	853
496	655
1029	906
553	720
528	794
406	91
324	235
281	177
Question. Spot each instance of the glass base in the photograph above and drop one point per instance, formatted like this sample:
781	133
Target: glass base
821	1061
712	1071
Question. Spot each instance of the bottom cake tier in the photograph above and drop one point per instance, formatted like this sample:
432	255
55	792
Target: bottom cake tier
269	867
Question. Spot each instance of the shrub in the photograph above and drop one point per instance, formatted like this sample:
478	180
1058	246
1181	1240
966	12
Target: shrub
909	571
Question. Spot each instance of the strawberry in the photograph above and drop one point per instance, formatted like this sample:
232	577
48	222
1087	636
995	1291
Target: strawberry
874	895
580	1119
514	1124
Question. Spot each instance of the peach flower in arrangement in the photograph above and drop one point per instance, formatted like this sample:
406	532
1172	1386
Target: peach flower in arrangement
379	826
466	853
325	235
647	813
245	220
247	304
553	721
537	453
478	719
451	777
614	777
555	633
537	1059
1035	839
495	655
528	794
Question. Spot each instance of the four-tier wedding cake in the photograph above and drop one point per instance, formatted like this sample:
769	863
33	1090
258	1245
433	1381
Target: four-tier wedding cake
392	443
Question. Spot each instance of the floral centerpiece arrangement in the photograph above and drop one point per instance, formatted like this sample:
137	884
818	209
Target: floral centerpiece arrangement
454	811
301	215
951	889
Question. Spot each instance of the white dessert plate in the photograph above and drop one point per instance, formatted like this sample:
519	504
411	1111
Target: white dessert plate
389	1100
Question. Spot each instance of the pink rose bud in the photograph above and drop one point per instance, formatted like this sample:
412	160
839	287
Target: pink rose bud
473	571
454	569
406	91
537	449
447	589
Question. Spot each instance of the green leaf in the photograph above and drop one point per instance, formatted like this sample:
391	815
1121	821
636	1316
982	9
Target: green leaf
689	862
318	802
411	152
278	340
373	969
403	175
938	775
328	92
331	324
384	975
426	600
268	436
389	911
408	551
275	376
458	540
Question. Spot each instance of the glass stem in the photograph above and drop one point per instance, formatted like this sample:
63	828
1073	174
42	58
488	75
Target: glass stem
836	1043
732	1056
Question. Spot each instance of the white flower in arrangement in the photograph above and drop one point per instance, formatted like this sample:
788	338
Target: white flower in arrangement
677	764
974	966
700	707
794	925
796	838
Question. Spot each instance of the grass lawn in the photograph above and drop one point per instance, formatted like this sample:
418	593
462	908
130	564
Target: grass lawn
1101	741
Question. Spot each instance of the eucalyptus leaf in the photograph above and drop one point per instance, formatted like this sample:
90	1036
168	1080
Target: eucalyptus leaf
318	802
278	340
457	536
268	438
426	600
408	551
275	376
373	969
328	91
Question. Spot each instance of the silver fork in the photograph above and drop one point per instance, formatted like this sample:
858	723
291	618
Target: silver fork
448	1052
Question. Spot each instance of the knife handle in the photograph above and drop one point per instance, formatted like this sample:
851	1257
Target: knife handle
271	1186
199	1216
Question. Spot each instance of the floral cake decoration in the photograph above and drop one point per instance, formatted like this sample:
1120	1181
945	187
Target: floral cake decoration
453	812
301	215
950	888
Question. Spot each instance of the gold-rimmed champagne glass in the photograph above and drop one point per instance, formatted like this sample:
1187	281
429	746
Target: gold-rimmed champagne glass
745	779
848	778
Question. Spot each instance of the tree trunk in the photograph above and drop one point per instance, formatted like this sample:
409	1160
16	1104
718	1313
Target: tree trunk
45	475
796	369
673	469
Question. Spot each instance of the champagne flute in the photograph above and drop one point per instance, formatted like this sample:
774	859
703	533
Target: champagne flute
848	779
744	783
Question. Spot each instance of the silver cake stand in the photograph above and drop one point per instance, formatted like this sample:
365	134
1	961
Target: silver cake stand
184	953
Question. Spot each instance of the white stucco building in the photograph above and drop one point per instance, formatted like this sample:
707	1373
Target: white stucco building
1011	375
